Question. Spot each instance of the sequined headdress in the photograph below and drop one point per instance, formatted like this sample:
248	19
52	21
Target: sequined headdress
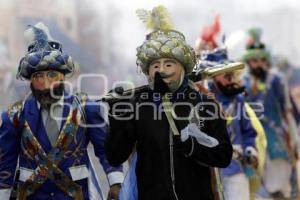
163	41
44	53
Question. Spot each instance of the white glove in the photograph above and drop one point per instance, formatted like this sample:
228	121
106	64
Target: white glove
251	157
251	151
201	137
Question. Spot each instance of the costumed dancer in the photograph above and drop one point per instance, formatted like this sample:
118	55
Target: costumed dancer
207	38
175	153
245	130
45	136
269	90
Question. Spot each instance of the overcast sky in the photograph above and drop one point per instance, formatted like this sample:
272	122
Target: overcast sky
189	16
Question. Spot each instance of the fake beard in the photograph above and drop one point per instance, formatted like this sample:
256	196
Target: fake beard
259	73
159	85
45	98
231	90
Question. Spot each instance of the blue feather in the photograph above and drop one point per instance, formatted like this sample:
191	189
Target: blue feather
41	39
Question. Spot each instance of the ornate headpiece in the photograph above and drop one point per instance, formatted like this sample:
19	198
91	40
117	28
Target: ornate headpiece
44	53
163	41
255	48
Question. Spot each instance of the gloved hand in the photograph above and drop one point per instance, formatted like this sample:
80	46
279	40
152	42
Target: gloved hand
201	137
160	86
250	157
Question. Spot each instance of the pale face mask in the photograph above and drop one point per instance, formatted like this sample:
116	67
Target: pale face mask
171	71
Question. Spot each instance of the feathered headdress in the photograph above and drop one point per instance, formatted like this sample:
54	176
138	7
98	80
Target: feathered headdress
254	47
254	39
157	19
209	33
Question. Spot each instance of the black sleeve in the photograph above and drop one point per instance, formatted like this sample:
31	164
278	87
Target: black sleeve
214	126
122	137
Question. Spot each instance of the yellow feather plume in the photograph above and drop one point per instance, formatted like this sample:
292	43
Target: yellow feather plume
157	19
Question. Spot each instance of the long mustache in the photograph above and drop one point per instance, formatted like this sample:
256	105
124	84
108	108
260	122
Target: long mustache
231	89
164	75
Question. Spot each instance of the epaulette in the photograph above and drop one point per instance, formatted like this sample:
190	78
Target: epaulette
14	112
82	98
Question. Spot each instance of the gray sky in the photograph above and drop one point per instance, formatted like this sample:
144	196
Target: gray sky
277	18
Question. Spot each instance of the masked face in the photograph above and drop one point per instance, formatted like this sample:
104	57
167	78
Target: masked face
170	70
47	87
258	68
229	84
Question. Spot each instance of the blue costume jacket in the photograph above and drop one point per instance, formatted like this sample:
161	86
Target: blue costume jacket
75	162
272	97
239	127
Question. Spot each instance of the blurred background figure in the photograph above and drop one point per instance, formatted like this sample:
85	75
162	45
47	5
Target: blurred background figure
290	73
243	127
269	89
207	38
